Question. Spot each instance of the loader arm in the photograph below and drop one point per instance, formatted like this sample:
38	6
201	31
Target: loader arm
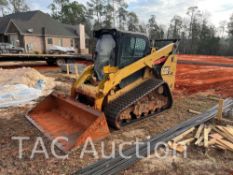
115	75
148	61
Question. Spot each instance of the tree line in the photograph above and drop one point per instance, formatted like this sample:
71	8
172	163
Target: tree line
197	34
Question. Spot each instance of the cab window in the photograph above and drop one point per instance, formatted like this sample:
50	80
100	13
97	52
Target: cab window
132	48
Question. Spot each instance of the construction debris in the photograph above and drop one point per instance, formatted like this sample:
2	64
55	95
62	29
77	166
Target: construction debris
222	136
119	163
205	135
178	138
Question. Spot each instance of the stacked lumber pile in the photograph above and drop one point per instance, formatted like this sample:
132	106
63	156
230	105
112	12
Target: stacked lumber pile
206	136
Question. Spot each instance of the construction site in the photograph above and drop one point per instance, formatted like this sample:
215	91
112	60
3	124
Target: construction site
201	82
102	88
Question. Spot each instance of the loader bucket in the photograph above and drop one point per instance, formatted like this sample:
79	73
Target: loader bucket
57	117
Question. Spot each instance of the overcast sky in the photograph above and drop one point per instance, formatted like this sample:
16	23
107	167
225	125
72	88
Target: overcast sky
164	9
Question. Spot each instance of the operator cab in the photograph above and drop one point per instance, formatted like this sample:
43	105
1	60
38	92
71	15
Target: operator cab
119	49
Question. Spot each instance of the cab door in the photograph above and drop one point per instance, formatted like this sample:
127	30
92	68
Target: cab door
132	48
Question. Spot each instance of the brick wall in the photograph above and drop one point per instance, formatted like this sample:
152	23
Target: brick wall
33	44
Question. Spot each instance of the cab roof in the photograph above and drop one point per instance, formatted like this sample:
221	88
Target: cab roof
116	32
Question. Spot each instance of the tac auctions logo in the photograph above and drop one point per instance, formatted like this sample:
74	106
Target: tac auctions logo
140	149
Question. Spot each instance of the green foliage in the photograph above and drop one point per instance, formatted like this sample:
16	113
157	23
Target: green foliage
155	32
96	12
70	13
3	3
108	14
142	28
3	6
175	27
133	22
18	5
230	26
56	8
122	15
73	13
208	43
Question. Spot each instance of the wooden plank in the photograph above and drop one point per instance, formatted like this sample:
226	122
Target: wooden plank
199	140
76	70
181	136
194	112
225	130
186	142
226	144
220	109
216	136
221	146
206	136
201	144
229	126
229	129
67	69
199	130
226	136
178	148
212	142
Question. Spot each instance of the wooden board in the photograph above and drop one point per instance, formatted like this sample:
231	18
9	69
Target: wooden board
226	136
225	130
194	112
181	136
199	130
186	142
177	147
214	137
225	144
206	136
230	130
220	109
199	140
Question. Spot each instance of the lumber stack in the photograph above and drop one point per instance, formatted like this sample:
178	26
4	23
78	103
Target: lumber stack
206	136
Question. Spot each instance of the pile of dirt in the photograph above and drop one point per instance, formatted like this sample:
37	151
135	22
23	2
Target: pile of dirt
26	76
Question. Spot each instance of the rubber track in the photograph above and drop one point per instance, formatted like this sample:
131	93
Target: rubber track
113	109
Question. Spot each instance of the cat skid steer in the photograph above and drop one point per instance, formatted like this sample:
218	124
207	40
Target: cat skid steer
129	81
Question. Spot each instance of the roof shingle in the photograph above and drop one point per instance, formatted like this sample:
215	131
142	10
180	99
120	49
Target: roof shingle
36	20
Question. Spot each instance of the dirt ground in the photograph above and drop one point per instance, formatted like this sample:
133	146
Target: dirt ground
199	161
199	78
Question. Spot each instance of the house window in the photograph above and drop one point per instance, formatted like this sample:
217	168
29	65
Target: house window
71	42
61	42
50	41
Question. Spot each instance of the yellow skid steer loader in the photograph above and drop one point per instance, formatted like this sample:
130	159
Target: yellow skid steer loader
128	81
